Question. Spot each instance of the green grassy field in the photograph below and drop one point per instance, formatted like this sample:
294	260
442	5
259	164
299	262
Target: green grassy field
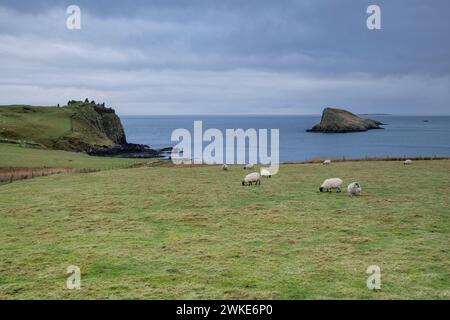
173	233
13	155
34	124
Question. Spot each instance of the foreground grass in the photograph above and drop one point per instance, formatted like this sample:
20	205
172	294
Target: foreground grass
158	233
13	155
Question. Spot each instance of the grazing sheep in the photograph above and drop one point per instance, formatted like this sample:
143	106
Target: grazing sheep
327	162
407	162
265	173
252	177
225	167
354	189
329	184
248	166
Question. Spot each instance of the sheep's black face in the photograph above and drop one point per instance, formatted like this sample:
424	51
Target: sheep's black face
321	189
243	183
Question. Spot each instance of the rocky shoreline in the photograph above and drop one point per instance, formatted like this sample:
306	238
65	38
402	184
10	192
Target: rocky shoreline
131	150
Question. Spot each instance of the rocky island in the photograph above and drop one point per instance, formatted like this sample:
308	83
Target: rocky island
342	121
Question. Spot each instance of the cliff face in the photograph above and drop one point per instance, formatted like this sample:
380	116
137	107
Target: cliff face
109	124
104	120
94	126
342	121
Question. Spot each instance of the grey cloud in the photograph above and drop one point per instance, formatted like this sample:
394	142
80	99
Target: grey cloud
215	56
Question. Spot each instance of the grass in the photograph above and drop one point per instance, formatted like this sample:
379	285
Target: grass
14	155
38	125
184	233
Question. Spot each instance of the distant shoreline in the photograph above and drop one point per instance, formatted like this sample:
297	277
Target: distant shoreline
271	115
320	160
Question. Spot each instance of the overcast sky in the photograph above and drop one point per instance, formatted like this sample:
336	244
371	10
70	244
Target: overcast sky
228	57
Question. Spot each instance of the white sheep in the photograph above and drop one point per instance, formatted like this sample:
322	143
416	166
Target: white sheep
252	177
327	162
407	162
329	184
248	166
265	173
354	189
225	167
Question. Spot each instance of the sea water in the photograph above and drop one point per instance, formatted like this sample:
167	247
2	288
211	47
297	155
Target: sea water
403	136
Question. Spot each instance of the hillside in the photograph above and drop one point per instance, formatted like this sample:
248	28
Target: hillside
78	126
342	121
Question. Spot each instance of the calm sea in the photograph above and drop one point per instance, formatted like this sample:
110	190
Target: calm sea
403	135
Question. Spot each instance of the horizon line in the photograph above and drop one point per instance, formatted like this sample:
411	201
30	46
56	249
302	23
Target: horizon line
276	114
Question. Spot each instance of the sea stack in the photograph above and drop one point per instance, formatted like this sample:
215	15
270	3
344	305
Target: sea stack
342	121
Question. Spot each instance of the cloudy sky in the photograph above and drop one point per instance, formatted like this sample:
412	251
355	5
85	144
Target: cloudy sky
228	56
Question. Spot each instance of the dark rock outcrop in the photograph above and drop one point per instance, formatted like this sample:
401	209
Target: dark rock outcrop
342	121
131	150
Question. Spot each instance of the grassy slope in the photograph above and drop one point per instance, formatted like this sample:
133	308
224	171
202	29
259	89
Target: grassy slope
45	125
38	125
13	155
196	233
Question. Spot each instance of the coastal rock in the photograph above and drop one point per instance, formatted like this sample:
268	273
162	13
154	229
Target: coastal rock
342	121
131	150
